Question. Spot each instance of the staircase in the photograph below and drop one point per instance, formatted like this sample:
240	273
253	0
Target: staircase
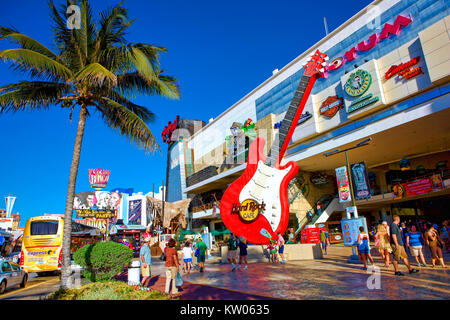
333	206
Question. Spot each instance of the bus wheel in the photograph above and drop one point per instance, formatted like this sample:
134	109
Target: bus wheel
24	281
2	287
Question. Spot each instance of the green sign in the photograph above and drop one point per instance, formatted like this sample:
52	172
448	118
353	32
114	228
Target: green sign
358	83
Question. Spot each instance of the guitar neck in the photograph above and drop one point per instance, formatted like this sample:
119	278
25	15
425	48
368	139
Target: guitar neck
289	123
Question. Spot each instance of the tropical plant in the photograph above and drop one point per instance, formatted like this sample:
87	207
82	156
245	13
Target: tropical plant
94	68
103	260
108	290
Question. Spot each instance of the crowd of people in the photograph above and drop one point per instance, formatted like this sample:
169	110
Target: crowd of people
396	242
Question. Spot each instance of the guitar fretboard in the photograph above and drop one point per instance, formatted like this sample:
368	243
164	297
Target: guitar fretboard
283	132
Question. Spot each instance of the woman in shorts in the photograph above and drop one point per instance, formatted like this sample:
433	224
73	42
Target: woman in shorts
384	247
187	257
364	248
414	242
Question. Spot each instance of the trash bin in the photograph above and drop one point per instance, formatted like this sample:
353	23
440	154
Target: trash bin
134	273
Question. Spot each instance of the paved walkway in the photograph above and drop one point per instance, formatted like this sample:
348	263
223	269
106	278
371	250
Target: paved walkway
328	278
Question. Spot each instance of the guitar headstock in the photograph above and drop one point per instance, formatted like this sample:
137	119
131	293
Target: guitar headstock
316	64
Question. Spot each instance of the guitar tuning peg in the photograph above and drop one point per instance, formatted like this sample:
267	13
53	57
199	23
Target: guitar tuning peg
308	59
326	58
322	70
324	64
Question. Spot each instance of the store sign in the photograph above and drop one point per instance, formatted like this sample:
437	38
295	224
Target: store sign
418	187
169	129
98	178
351	212
374	39
343	184
100	224
360	179
350	230
248	210
331	106
404	70
356	85
319	179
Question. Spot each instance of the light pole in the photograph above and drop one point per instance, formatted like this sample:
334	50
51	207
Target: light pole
354	257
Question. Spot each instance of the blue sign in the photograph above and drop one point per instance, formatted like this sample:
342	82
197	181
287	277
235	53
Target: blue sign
350	230
2	240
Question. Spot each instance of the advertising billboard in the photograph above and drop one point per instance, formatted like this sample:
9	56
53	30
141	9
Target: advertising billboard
350	230
360	179
97	204
343	184
135	212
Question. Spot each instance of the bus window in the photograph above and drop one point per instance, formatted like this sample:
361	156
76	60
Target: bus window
44	227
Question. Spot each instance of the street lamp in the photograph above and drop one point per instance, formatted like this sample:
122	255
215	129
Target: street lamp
353	258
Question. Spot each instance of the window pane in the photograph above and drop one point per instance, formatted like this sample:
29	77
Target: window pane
6	267
44	228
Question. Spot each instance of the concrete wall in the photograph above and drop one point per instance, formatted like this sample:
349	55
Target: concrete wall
292	252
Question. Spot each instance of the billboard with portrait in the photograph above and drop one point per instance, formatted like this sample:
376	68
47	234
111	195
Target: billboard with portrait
360	179
94	203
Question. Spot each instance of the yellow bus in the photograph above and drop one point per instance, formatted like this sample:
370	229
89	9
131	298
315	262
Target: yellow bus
42	244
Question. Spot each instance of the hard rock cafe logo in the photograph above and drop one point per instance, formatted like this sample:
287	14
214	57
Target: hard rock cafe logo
331	106
248	210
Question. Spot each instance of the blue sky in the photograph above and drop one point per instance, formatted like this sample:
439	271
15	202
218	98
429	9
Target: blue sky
219	51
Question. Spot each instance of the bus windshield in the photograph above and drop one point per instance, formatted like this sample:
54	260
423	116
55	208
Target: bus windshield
43	228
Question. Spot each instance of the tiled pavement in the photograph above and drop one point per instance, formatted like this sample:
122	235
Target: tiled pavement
328	278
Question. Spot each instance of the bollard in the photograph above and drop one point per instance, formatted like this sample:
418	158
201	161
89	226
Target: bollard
134	273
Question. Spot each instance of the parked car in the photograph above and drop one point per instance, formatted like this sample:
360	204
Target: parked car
11	275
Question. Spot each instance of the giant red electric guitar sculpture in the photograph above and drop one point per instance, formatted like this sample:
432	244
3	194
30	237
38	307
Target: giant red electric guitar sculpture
256	206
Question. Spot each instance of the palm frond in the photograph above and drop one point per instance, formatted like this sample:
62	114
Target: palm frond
127	123
144	113
133	83
96	75
36	63
25	41
31	95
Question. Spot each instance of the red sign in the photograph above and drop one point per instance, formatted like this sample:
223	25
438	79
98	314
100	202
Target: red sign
98	178
404	69
169	129
311	235
373	40
417	187
331	106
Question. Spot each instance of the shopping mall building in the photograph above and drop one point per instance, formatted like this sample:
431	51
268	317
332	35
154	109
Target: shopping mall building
388	80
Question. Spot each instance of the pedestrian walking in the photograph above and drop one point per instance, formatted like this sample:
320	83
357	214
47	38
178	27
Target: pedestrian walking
202	253
445	235
414	242
242	253
384	247
187	257
324	240
232	251
386	226
145	256
172	266
435	243
280	244
398	251
364	247
404	231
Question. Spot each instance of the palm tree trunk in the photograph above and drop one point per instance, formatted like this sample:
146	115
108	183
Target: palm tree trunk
66	268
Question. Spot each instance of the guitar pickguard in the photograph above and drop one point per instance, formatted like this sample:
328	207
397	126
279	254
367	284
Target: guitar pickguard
265	186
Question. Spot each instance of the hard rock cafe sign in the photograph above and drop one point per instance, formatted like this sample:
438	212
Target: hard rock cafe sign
248	210
331	106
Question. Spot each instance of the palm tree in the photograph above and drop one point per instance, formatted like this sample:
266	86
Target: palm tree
93	69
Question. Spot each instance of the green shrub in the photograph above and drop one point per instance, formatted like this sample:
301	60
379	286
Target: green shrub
103	260
108	290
